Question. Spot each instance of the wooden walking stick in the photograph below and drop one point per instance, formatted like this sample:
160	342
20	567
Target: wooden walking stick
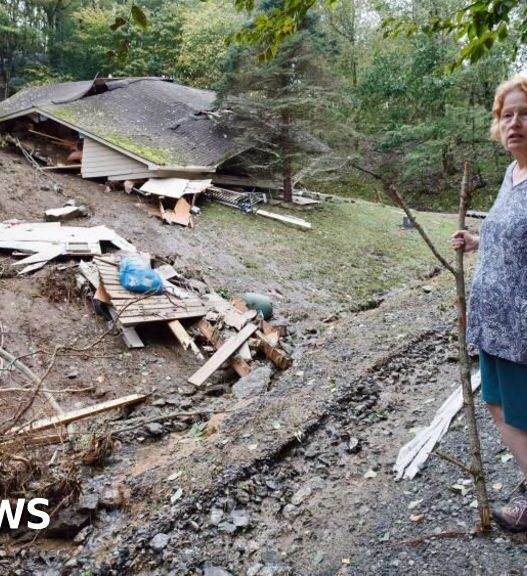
476	467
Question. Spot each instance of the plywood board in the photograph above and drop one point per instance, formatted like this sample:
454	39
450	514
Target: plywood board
174	187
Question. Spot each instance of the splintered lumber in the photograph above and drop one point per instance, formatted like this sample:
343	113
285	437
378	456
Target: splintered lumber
30	440
74	415
277	357
184	338
293	220
413	455
222	354
213	335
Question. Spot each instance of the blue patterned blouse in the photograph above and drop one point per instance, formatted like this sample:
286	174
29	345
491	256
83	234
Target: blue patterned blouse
497	319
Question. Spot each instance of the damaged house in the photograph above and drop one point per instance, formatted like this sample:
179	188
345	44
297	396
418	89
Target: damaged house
124	129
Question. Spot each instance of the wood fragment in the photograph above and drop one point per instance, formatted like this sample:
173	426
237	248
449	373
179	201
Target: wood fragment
74	415
184	338
277	356
293	220
214	337
221	355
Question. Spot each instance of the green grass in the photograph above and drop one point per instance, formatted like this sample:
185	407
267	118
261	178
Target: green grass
353	252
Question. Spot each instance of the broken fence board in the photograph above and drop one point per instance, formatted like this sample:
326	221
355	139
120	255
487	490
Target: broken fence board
293	220
184	338
414	454
74	415
222	354
213	335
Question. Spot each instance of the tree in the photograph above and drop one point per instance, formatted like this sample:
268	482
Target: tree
277	102
18	37
479	24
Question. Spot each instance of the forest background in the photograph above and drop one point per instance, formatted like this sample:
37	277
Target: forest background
389	103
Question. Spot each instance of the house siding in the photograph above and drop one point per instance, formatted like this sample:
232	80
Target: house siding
100	161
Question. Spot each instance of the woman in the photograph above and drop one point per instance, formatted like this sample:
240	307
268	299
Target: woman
498	301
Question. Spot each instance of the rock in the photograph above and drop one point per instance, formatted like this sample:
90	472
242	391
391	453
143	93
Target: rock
353	445
302	494
216	514
253	384
210	570
254	569
72	374
290	511
83	534
155	429
66	524
227	527
88	503
270	557
112	498
186	389
159	542
240	518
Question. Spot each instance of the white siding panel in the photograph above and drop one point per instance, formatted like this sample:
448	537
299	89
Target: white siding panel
99	160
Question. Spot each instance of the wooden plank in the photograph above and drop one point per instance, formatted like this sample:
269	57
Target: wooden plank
214	337
74	415
145	306
285	219
184	338
134	320
29	440
277	357
222	354
130	336
62	167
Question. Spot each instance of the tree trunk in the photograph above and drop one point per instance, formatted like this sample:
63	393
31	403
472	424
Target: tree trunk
285	146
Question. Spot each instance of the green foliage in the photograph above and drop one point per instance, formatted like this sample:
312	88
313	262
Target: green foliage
479	25
269	29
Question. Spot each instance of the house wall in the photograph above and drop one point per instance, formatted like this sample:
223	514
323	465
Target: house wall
100	161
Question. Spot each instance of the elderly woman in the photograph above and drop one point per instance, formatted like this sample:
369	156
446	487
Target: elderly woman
498	301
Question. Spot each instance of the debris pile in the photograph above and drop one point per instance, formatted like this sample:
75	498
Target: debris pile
230	330
40	242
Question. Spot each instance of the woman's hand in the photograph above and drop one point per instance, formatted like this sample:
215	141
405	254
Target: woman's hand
464	240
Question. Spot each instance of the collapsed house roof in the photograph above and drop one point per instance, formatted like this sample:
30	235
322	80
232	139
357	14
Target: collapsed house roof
133	126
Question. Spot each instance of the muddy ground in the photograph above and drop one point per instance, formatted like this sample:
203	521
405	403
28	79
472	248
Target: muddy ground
297	481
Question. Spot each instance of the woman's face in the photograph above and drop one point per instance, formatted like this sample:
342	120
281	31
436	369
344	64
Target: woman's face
513	122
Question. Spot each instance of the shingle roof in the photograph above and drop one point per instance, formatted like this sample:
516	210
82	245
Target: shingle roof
158	120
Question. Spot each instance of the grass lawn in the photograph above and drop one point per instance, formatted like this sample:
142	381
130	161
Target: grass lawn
353	251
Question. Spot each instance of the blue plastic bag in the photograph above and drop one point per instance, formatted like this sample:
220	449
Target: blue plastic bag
137	276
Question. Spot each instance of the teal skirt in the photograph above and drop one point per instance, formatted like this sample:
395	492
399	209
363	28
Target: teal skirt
505	383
